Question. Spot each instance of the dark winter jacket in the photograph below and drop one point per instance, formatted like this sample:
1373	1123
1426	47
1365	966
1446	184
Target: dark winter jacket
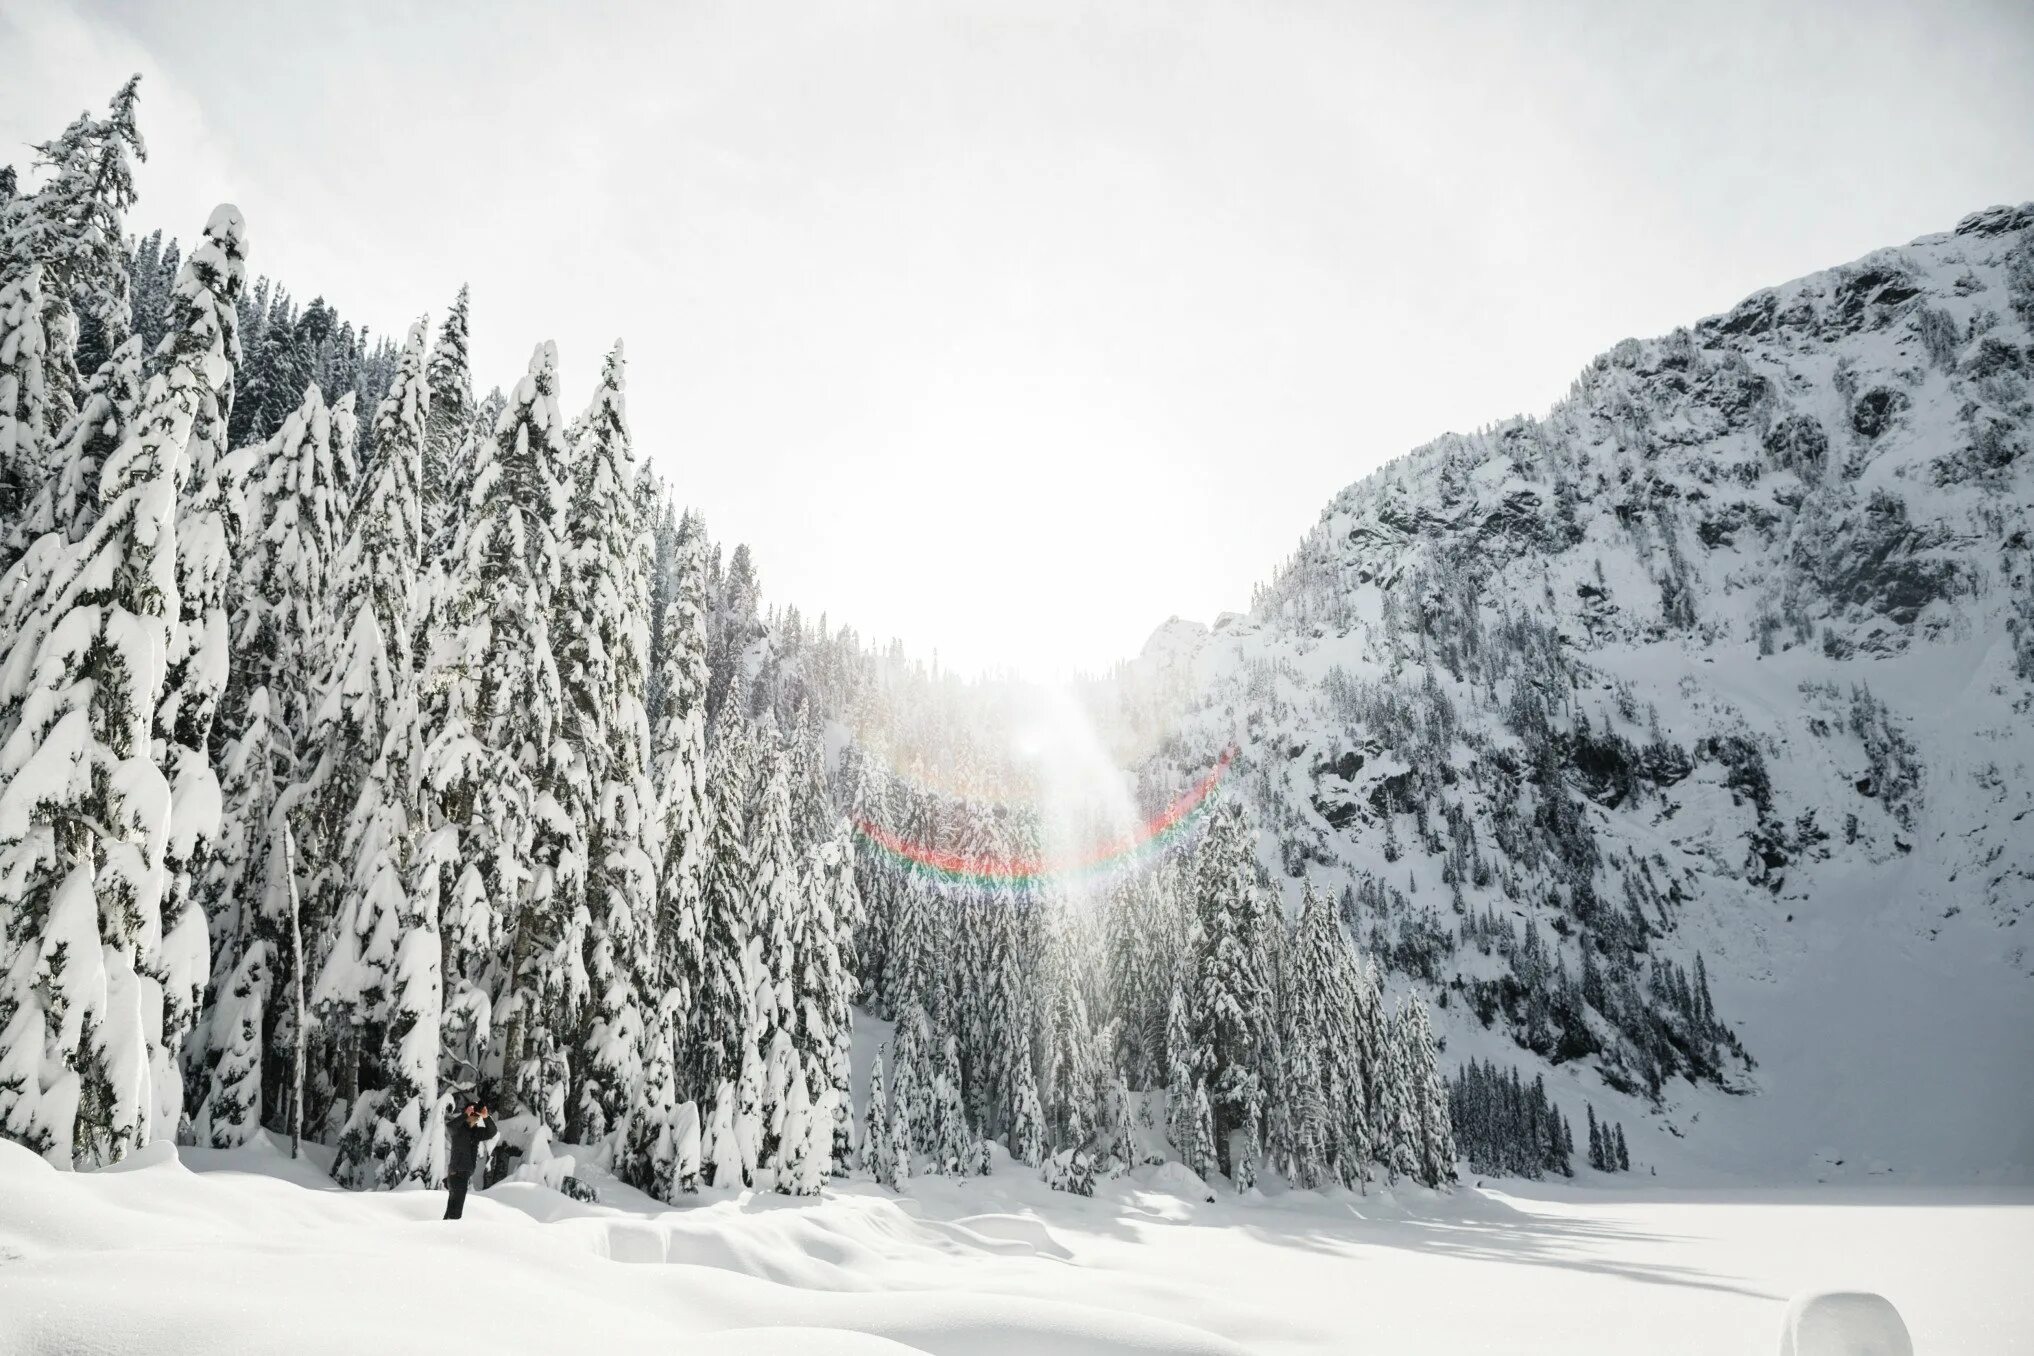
466	1143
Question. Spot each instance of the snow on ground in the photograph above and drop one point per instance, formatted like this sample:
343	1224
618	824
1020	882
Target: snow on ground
247	1251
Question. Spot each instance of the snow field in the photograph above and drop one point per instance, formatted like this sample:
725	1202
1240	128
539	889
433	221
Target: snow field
246	1251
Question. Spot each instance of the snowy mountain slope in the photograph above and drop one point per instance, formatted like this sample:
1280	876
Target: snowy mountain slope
1731	655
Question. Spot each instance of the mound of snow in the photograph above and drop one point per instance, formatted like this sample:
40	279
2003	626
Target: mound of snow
1844	1323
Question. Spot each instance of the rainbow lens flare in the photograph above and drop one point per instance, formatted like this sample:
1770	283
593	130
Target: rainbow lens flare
1030	873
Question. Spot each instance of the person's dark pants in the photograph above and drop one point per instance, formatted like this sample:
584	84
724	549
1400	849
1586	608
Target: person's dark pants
455	1195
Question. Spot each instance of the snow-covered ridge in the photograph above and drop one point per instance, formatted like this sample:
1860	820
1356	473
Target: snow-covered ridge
1731	654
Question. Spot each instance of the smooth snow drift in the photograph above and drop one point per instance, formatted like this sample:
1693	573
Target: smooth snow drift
247	1251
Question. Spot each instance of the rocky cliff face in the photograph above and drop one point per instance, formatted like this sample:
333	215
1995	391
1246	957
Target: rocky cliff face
1641	734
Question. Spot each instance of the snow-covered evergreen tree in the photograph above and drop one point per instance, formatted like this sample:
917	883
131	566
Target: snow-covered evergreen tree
916	916
781	1069
27	411
1200	1154
380	986
800	1165
68	503
678	762
280	641
911	1120
202	351
97	993
877	1155
498	758
232	1104
1072	1068
778	896
825	973
721	1004
952	1141
685	1171
1027	1125
446	427
1398	1124
74	225
603	637
245	939
1117	1146
64	308
750	1126
1232	992
723	1152
1428	1097
1182	1059
646	1147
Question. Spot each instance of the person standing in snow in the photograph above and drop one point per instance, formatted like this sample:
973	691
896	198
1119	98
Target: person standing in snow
466	1130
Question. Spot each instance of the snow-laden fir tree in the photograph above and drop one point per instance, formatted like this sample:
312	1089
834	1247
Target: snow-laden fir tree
910	1085
1427	1095
778	895
646	1149
911	973
280	646
877	1154
1072	1068
1182	1059
296	519
68	503
1006	1008
1400	1104
603	639
382	974
97	993
71	231
89	188
825	970
720	1011
687	1135
1315	1030
723	1151
818	1163
1200	1158
280	631
1232	991
496	761
245	937
952	1141
805	1139
678	762
27	410
1373	1049
232	1049
866	796
1027	1124
1146	939
203	341
781	1069
1116	1148
750	1127
446	426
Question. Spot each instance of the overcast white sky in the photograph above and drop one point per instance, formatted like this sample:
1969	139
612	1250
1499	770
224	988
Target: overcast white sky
1015	329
